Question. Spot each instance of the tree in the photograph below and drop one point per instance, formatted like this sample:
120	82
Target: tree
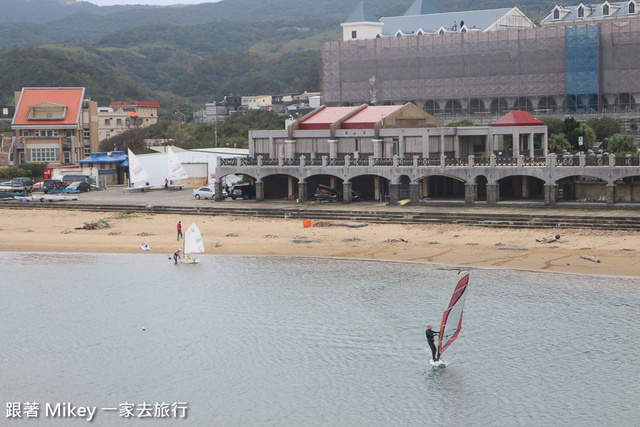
620	144
554	125
604	127
587	134
558	142
462	123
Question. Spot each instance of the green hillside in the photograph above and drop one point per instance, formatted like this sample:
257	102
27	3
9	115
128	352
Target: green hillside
184	56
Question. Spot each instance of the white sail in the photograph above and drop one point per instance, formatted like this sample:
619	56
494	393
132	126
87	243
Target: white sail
193	241
176	171
136	171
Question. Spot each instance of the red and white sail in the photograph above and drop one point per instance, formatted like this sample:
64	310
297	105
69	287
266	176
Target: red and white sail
452	316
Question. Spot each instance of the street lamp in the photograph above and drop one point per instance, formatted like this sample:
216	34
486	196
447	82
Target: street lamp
215	123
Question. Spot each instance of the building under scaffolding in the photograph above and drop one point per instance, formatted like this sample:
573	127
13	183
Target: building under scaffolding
591	68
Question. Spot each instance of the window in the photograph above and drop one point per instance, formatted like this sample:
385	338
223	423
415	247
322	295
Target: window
119	122
107	122
87	151
581	12
44	132
354	34
632	7
107	134
556	14
605	10
25	133
69	133
22	157
5	111
43	155
67	157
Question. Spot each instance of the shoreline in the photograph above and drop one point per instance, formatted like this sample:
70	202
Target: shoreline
457	246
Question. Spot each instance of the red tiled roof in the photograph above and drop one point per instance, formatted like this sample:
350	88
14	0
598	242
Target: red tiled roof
369	116
71	97
518	118
324	118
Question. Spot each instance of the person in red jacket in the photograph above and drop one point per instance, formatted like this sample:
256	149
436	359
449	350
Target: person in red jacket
179	229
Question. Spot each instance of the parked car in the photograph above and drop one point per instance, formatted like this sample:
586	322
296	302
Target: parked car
73	178
207	193
22	184
37	186
5	186
243	191
52	184
77	187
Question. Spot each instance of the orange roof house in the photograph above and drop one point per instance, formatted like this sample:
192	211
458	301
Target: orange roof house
54	125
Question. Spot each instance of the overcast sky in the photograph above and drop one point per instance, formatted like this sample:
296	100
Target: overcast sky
154	2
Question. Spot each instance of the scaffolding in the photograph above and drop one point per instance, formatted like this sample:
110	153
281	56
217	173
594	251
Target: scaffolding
550	69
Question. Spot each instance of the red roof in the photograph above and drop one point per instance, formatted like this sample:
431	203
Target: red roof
518	118
369	116
366	118
324	118
70	97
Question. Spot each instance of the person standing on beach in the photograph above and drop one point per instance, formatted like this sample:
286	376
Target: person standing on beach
430	336
179	229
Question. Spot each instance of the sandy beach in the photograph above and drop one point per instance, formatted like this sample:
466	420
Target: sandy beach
576	250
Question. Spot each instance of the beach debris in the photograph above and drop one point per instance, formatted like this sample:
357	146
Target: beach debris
304	241
144	329
28	231
555	239
499	244
300	237
218	244
231	235
66	231
504	248
321	224
627	249
472	244
94	225
433	243
271	236
345	224
456	235
144	234
351	239
398	240
590	258
114	233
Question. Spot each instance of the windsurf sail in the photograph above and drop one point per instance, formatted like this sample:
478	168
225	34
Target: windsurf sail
136	171
193	241
176	171
452	316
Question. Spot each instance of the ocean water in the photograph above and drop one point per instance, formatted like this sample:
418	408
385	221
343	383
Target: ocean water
284	341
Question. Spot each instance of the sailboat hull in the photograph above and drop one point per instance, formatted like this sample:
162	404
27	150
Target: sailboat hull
190	260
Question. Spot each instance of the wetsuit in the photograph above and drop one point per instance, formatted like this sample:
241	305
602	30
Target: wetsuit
430	336
176	255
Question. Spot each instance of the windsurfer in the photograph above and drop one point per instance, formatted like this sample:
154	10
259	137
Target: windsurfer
176	255
430	336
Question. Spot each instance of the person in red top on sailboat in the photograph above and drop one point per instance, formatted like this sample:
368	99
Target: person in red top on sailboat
430	336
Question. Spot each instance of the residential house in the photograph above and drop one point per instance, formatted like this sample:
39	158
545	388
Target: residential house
121	116
53	125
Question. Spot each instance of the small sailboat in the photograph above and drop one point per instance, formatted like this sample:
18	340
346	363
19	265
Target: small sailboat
138	178
192	245
452	317
176	171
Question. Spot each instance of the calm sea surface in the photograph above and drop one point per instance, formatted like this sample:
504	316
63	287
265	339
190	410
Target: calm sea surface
276	341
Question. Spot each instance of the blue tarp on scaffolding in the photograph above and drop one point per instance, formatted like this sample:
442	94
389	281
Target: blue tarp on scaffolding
581	69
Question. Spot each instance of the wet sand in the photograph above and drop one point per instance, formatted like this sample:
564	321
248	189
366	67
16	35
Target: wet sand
576	251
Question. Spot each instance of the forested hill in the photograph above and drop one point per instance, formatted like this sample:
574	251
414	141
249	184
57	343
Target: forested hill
183	56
